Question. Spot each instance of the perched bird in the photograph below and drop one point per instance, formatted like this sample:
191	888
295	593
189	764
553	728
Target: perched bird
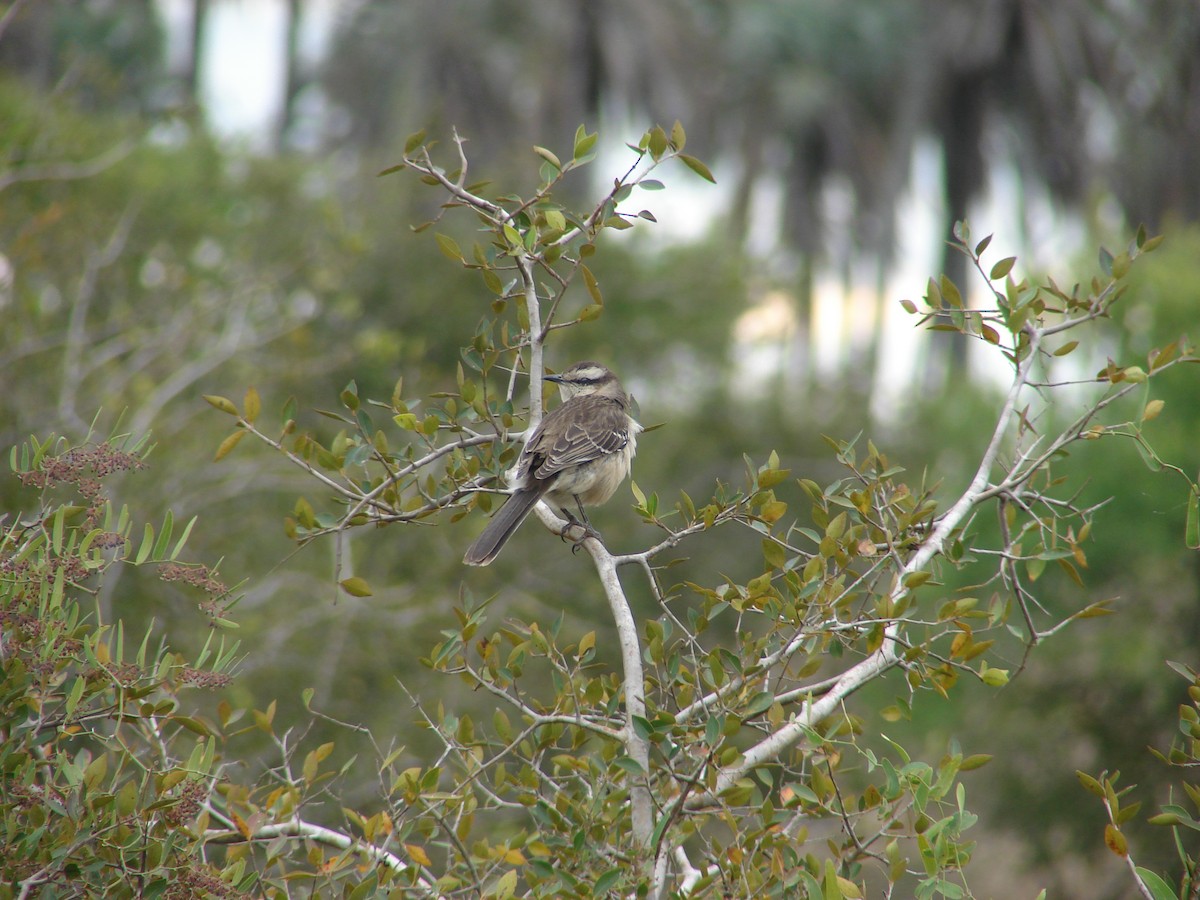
580	451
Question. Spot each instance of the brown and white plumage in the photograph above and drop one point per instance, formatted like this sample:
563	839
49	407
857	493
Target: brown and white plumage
580	452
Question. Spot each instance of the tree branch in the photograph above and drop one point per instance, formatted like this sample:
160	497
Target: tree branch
886	656
298	828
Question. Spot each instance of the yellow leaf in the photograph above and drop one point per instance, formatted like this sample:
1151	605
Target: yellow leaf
221	403
242	827
678	137
593	286
773	511
356	586
418	855
961	641
848	888
252	405
1115	840
228	444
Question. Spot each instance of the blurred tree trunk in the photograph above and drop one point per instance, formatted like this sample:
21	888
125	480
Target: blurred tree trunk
192	72
961	132
802	233
293	78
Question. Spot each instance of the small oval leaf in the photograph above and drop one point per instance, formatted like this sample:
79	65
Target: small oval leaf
356	586
698	167
221	403
252	405
228	444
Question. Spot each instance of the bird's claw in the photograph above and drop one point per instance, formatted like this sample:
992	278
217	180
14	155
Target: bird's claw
577	542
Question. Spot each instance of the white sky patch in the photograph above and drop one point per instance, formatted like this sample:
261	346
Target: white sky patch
243	70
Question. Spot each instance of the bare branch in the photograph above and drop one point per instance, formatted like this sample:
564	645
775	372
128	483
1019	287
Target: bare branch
62	171
298	828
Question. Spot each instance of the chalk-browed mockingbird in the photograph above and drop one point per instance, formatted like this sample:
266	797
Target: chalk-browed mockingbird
580	451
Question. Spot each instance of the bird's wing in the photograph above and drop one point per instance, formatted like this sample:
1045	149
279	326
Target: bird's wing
599	426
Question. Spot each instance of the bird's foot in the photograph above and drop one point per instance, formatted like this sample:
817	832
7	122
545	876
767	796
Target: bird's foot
582	531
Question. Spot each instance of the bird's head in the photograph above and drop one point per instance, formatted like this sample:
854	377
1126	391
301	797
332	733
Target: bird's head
585	377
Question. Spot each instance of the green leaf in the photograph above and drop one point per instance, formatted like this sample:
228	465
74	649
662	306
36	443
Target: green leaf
143	553
94	774
629	766
1002	268
548	156
759	703
605	882
994	677
584	142
593	286
513	237
505	887
1090	784
127	798
74	697
975	761
183	537
164	535
657	142
1158	888
774	554
448	246
60	518
916	579
413	141
1120	265
950	293
698	167
637	494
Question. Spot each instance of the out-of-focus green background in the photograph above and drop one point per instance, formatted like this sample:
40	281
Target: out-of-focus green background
189	205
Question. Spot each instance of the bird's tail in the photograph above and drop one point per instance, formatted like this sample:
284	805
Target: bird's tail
501	528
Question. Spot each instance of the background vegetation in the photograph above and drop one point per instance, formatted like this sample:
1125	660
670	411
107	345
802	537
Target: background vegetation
145	264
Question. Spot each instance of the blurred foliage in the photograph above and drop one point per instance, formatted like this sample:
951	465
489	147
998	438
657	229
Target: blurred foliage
106	54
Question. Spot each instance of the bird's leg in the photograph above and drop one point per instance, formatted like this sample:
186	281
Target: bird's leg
582	522
583	515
